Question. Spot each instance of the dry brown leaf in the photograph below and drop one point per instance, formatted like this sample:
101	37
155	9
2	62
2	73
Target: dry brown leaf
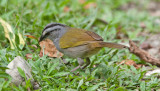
35	46
29	56
49	49
138	66
127	62
81	1
120	34
142	25
30	36
89	5
131	62
66	9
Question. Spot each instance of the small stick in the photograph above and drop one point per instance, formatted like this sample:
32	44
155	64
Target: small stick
142	54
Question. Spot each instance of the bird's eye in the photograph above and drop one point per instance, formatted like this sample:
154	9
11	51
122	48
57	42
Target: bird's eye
48	33
57	29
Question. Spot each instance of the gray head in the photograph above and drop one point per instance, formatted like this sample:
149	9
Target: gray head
53	30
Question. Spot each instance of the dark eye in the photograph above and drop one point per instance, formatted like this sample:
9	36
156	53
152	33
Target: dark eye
57	29
48	33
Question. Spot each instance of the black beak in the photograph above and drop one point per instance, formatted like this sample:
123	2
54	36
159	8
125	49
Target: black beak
42	38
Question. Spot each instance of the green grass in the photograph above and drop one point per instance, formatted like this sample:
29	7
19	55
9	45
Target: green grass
29	17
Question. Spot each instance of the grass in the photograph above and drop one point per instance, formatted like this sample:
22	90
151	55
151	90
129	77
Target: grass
29	17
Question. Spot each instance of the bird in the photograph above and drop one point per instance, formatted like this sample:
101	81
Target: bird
75	42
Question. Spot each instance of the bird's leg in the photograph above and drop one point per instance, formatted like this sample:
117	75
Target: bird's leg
87	63
80	62
64	61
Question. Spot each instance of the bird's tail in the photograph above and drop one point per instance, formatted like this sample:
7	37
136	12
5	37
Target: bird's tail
112	45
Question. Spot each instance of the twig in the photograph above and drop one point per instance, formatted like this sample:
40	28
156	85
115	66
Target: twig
142	54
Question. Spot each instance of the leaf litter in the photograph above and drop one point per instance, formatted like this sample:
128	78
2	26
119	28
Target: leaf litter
49	49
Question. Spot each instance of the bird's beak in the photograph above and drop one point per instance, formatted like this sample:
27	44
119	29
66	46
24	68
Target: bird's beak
41	38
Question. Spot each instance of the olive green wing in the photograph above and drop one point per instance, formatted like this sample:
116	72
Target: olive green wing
76	37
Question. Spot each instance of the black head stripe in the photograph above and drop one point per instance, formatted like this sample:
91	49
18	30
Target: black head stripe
52	25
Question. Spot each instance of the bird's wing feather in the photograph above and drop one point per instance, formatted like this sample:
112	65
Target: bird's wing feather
76	37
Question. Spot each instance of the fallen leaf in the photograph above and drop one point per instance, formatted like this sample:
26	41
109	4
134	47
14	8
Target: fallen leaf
90	5
81	1
29	56
66	9
35	46
138	66
131	62
155	71
9	34
49	49
127	62
120	34
142	25
30	36
8	30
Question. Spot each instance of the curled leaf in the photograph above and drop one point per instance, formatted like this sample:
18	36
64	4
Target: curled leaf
30	36
131	62
49	49
9	34
90	5
66	9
